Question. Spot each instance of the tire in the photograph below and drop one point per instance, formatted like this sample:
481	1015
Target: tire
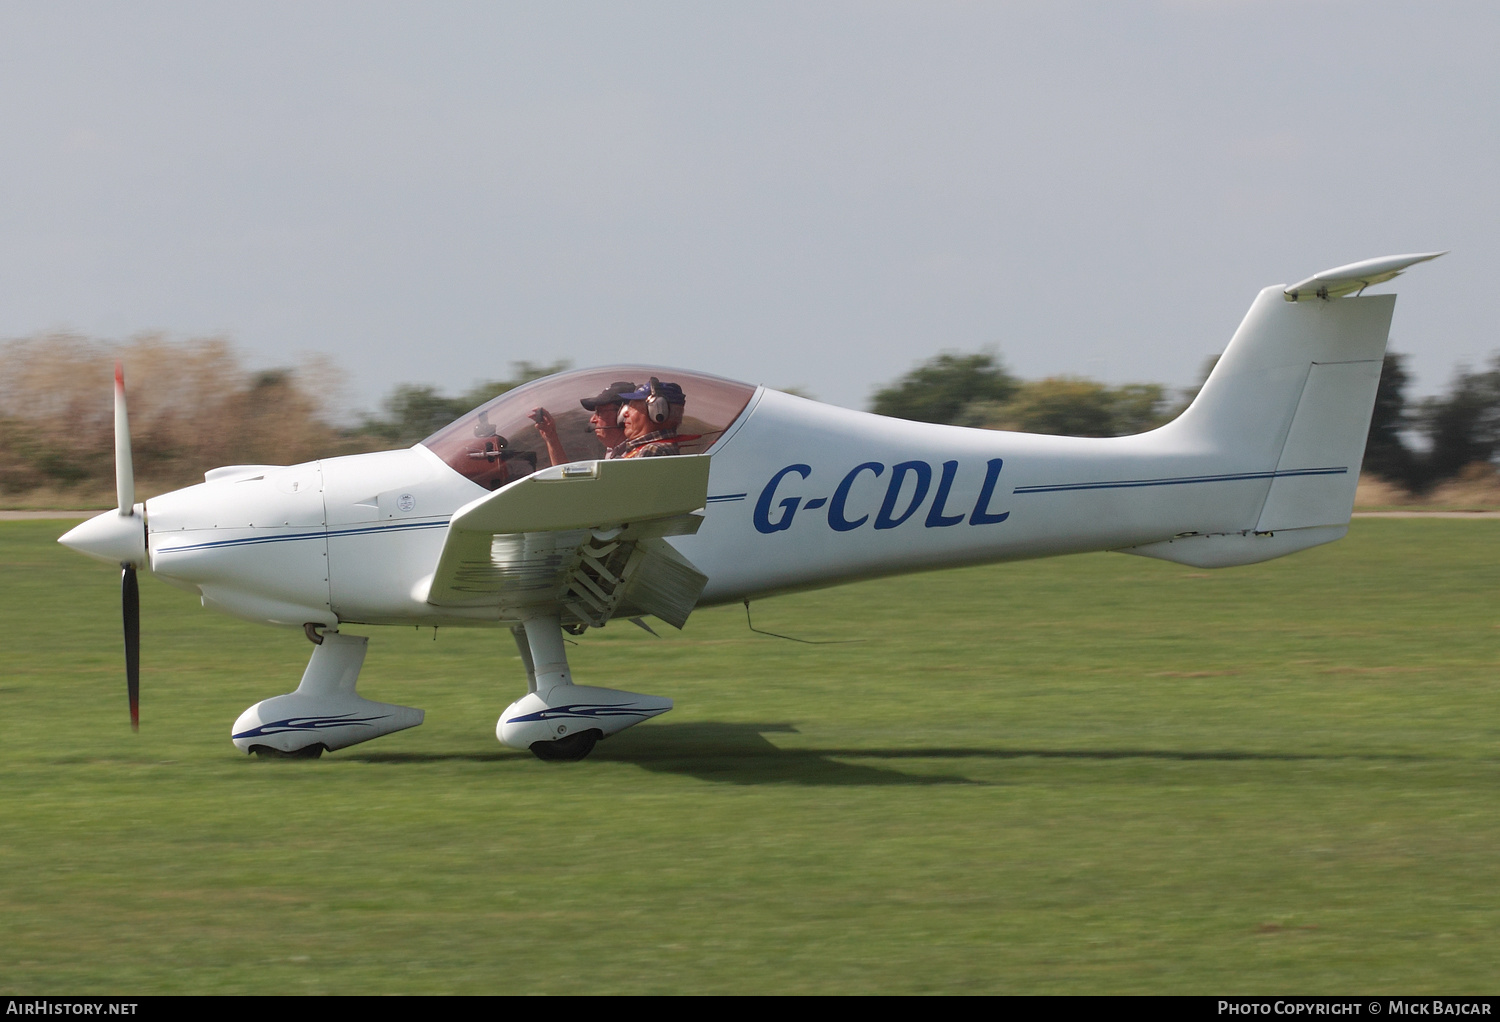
306	752
567	750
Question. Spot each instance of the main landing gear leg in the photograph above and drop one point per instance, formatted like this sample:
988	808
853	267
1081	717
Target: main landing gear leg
558	720
325	712
518	632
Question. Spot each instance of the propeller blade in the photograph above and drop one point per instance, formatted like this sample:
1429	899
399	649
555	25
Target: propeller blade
130	600
124	468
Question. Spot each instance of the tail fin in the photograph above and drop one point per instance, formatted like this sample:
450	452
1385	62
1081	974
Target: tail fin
1293	393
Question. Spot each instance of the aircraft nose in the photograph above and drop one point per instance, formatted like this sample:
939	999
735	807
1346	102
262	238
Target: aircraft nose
111	537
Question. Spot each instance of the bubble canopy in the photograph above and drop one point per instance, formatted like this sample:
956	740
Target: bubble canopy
500	441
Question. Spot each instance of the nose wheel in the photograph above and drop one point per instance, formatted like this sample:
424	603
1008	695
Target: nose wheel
567	750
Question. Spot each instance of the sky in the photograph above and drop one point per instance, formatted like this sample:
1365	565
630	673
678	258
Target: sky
809	194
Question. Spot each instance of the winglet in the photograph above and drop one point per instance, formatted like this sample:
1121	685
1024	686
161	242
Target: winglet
1343	280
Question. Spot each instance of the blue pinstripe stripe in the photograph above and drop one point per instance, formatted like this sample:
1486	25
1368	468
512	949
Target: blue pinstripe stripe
1181	480
298	537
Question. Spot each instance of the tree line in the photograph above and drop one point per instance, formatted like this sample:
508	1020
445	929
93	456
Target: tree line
1415	445
194	406
977	390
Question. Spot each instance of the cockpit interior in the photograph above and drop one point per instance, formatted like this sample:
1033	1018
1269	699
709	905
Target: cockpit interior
506	439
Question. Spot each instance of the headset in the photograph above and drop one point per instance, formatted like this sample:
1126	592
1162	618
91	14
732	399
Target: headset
657	407
656	404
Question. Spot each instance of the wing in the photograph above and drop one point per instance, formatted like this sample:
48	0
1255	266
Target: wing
586	538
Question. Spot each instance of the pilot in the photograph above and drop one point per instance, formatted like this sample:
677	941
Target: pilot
604	420
651	417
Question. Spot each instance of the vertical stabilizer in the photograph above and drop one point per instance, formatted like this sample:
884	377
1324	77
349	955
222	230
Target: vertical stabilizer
1265	382
1288	403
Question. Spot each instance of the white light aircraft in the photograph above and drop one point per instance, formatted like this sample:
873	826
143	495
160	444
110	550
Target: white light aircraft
516	517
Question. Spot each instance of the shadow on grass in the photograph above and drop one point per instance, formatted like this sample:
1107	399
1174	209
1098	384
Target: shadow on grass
498	756
741	754
728	753
1210	755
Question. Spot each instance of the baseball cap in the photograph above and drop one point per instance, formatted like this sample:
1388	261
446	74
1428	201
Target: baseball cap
610	395
671	391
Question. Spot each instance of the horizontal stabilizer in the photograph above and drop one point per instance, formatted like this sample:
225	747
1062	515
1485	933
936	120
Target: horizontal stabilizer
1344	280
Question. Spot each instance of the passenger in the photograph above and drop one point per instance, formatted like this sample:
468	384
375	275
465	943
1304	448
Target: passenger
651	417
604	421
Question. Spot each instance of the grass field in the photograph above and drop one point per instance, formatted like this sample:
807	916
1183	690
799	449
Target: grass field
1092	774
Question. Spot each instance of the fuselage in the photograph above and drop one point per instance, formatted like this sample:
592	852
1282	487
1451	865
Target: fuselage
801	495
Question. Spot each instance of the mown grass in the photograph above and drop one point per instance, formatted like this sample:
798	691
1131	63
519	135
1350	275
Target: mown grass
1092	774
